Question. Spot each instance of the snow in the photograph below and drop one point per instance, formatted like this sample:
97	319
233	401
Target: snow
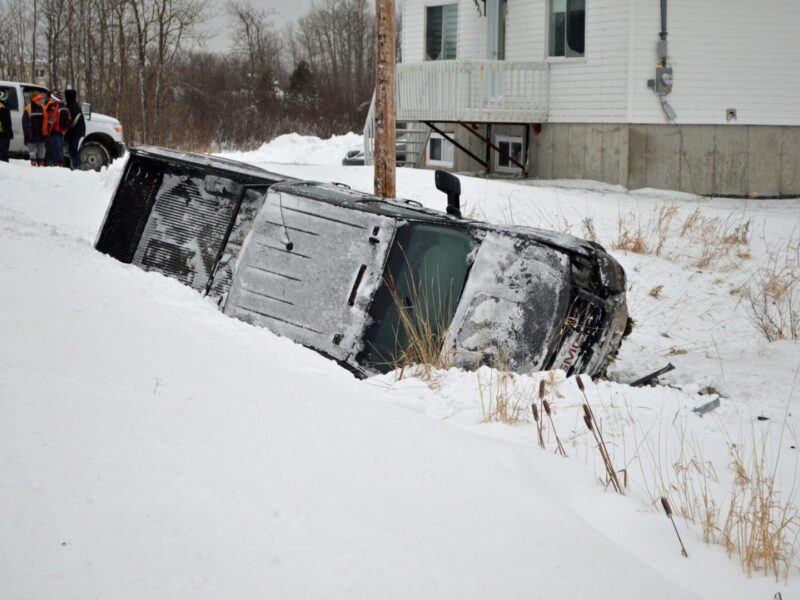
152	447
295	149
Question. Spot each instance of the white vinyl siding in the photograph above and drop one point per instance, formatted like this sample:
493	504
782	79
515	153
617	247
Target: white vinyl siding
727	54
594	88
735	54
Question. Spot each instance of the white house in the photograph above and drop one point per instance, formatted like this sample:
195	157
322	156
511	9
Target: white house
588	89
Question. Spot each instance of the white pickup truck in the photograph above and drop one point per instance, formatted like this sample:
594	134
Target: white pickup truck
101	144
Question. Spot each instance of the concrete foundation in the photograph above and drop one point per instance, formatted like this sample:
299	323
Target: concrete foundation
728	160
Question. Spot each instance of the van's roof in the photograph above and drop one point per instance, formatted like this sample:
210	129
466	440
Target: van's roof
22	83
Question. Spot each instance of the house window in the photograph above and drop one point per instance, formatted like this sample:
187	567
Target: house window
440	151
510	147
567	27
441	32
39	73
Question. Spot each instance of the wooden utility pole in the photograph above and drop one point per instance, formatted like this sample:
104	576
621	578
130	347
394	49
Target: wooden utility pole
385	131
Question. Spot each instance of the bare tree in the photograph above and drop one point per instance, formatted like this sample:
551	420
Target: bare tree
139	60
254	36
55	17
337	40
176	22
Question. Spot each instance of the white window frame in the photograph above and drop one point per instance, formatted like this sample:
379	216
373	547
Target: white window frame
439	163
547	35
511	139
433	4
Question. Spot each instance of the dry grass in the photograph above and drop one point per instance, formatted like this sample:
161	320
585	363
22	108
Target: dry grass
691	222
761	527
501	399
753	520
717	238
645	237
656	291
589	231
631	239
721	239
424	324
774	296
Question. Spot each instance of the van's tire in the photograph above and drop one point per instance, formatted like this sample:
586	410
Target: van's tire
94	156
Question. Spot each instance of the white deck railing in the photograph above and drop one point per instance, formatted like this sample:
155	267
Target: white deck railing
496	91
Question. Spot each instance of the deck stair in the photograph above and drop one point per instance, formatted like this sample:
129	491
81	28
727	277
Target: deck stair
411	140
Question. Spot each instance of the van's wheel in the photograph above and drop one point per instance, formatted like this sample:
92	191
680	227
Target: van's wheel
94	156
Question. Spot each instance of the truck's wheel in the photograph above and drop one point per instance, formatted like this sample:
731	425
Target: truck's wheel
94	156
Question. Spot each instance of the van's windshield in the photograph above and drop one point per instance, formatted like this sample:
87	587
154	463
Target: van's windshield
412	310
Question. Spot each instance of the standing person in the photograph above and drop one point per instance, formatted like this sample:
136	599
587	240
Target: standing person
6	132
50	113
34	125
59	119
76	129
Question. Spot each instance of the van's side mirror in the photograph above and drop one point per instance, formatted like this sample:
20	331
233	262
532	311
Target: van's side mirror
86	109
450	185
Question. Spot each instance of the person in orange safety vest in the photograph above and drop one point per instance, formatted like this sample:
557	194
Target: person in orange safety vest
35	128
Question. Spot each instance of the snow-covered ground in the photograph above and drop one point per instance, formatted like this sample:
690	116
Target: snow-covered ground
151	447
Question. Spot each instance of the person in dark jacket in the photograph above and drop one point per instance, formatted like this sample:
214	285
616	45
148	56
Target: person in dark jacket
76	129
34	125
6	131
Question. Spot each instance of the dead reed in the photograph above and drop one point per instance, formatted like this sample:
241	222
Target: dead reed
501	400
668	511
752	519
774	295
591	425
423	323
645	236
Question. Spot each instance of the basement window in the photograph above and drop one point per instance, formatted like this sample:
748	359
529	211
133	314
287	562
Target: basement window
511	147
441	32
440	151
567	27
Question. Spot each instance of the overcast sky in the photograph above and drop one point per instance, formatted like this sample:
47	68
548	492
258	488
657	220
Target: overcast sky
285	11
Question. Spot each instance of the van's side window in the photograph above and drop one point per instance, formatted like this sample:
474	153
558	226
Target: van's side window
11	97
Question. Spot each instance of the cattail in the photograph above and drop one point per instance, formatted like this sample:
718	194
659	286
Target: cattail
588	422
539	435
541	389
580	383
559	446
588	418
668	510
667	507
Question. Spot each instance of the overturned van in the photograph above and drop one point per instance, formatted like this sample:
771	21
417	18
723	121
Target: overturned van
356	277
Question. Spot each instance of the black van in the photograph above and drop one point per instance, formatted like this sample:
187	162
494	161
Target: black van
356	277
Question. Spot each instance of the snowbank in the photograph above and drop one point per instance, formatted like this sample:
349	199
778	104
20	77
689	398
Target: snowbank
152	447
292	148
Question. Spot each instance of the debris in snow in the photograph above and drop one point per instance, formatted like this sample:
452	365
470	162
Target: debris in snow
707	407
647	379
